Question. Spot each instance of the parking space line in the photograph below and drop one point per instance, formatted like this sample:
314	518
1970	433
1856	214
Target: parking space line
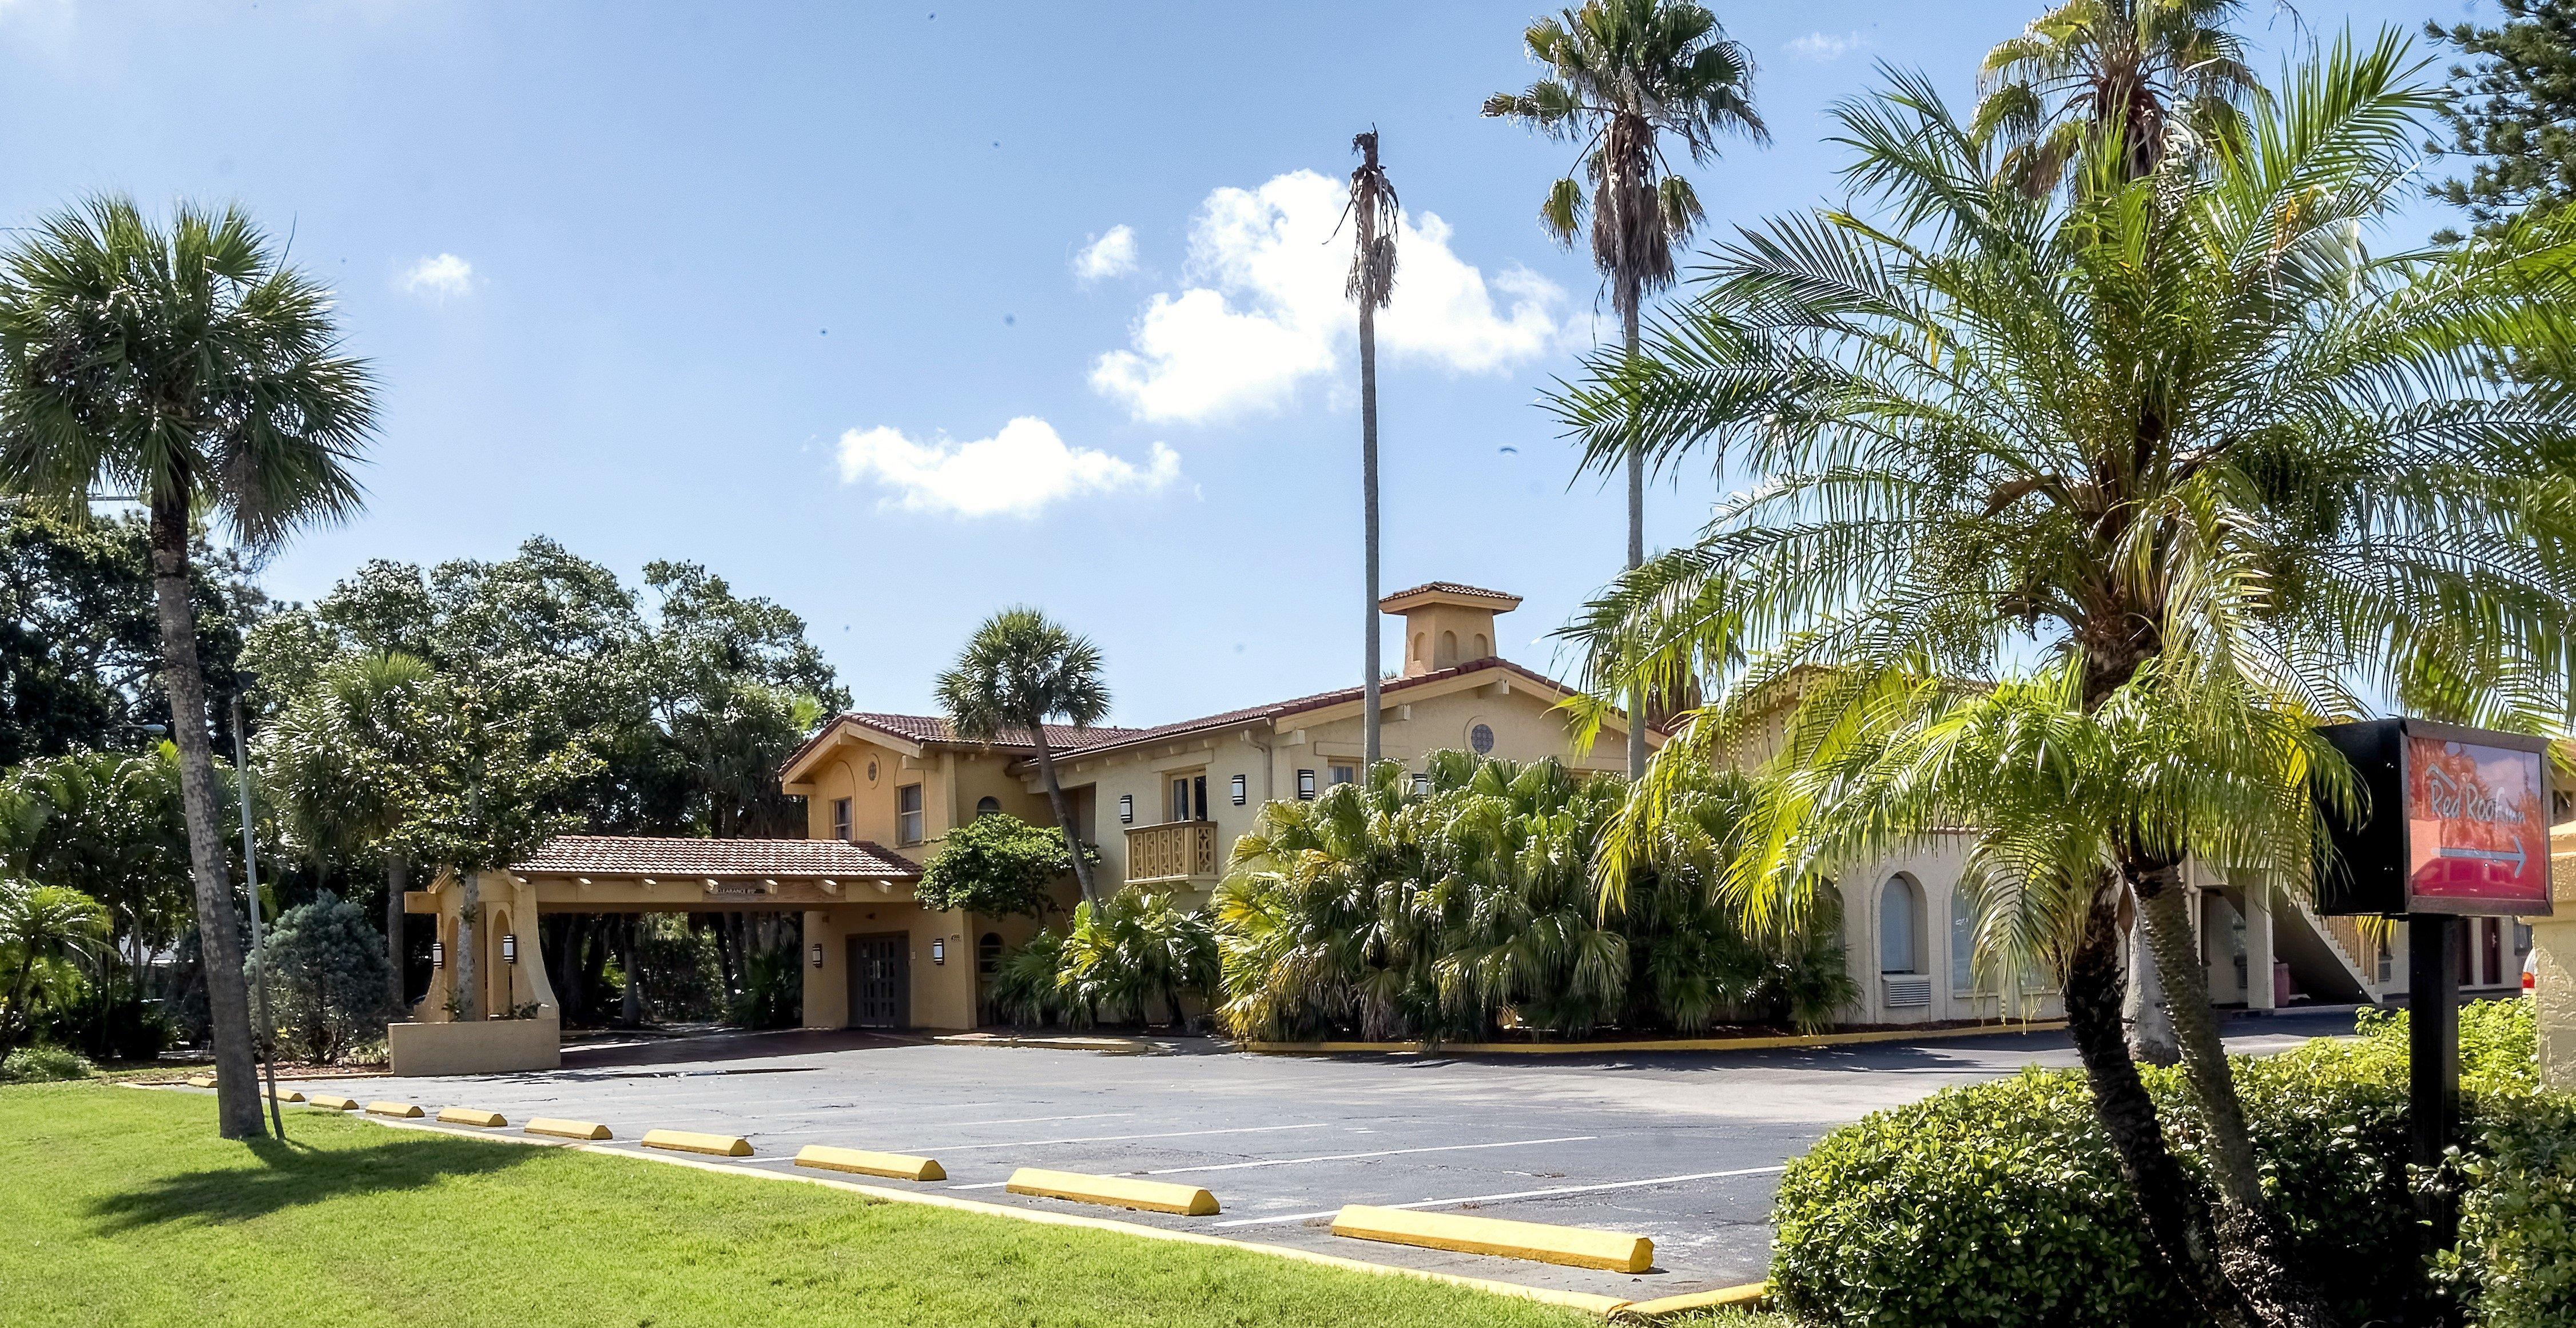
1387	1152
1517	1194
1035	1120
1116	1138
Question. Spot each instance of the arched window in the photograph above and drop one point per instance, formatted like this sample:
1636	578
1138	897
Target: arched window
1418	639
1900	926
1448	651
987	805
1483	648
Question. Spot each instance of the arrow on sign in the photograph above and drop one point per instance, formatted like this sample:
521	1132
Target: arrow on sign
2491	854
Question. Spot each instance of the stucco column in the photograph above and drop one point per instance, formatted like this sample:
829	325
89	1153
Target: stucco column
827	987
2260	993
2553	962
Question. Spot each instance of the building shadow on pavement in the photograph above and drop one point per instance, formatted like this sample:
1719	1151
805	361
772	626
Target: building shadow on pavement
616	1051
287	1175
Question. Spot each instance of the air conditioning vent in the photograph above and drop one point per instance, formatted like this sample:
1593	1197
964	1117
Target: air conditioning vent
1906	991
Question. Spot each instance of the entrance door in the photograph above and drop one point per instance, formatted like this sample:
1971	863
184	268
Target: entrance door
881	981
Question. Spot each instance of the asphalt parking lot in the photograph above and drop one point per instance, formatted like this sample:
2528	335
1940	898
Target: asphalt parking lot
1685	1148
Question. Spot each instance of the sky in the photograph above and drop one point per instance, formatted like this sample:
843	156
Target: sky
901	314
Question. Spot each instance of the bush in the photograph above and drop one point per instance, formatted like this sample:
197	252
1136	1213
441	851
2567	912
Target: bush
44	1064
1116	963
119	1028
2003	1203
773	991
998	865
327	975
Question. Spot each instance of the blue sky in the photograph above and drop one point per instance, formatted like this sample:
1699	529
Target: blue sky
897	314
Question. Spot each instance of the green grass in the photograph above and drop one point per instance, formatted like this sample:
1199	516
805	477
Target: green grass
120	1206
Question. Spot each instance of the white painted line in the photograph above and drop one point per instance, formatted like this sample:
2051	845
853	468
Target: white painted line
1517	1194
1389	1152
1036	1120
1112	1138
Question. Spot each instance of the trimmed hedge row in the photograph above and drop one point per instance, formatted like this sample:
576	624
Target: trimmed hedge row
2002	1203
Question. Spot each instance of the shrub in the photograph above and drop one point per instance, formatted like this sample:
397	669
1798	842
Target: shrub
326	970
43	1064
1025	989
1115	963
999	866
119	1027
2002	1203
773	991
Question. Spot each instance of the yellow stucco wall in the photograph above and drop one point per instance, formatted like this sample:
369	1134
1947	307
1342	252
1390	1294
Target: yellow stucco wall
943	994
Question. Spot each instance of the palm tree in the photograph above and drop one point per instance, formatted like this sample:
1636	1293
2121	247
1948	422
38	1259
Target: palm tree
183	365
2135	68
2179	438
1374	215
1625	74
1019	671
40	925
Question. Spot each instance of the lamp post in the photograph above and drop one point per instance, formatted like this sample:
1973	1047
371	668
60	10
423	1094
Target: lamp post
243	682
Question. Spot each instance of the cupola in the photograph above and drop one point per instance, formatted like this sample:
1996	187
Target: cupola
1447	624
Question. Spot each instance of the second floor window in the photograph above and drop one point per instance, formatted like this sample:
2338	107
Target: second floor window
907	821
1189	798
841	819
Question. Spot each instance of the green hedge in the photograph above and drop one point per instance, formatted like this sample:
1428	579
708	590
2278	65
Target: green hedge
2002	1203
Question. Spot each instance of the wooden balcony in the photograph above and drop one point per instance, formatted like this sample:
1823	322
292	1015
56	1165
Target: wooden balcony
1172	851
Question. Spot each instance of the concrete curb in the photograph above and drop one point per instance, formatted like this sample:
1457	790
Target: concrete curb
690	1141
1538	1242
403	1110
1106	1046
1783	1042
859	1161
488	1120
566	1129
1152	1196
1748	1296
327	1102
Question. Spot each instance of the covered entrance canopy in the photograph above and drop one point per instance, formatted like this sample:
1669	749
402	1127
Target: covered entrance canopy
844	890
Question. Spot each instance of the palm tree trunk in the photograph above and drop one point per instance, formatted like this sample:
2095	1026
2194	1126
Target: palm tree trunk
2177	1224
631	1002
397	879
1064	815
1368	509
1629	295
2151	1029
227	995
2252	1249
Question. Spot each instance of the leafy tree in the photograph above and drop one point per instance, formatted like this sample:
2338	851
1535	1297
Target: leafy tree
1625	75
324	966
997	865
42	928
1019	671
108	824
2136	71
2513	107
2117	491
186	365
1374	213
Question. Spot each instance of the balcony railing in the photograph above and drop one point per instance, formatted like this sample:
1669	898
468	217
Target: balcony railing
1173	851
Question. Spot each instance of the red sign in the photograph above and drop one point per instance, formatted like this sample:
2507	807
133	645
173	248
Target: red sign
2477	827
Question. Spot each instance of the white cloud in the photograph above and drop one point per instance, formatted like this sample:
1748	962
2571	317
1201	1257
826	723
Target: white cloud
437	279
1109	255
1265	312
1828	46
1016	472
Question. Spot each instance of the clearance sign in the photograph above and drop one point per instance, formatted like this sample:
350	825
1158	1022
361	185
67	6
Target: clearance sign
2458	822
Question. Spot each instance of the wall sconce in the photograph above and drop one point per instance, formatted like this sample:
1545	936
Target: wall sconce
1422	786
1306	786
818	954
438	954
938	950
1126	809
1237	785
509	947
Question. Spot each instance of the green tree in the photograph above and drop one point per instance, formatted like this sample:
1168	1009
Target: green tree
108	824
324	965
1019	672
2513	108
183	364
1624	76
2180	437
996	865
1374	215
42	928
2138	71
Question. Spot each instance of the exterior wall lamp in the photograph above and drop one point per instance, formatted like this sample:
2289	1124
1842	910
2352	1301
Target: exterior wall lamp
509	947
1237	785
438	954
1306	786
1126	809
938	950
818	954
1422	785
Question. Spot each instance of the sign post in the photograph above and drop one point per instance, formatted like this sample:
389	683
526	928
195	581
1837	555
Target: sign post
2455	824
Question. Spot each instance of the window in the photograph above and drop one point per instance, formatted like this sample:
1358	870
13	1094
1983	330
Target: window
1481	738
1482	649
1189	798
1306	785
841	819
1344	774
988	953
1899	926
1448	651
907	822
1963	943
987	805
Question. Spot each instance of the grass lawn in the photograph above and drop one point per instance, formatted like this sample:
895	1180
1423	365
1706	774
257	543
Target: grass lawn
122	1207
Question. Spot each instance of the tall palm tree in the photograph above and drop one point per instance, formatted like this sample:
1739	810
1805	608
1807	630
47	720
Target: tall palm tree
1623	76
2135	68
184	365
1020	671
1374	214
2182	437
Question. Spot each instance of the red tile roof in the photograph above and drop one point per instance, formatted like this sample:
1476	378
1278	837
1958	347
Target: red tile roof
643	855
1454	588
936	728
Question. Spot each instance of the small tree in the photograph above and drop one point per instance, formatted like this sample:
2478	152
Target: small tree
999	866
42	927
328	975
1020	670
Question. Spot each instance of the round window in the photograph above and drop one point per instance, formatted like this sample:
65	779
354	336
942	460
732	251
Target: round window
1482	739
872	772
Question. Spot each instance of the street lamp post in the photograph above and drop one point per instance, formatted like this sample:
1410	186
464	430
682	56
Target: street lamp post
250	876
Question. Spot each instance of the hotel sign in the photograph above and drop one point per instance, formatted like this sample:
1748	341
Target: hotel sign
2457	822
